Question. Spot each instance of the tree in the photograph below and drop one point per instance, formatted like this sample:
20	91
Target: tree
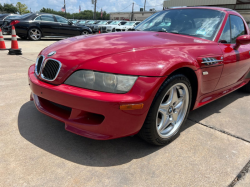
86	14
9	8
22	8
1	8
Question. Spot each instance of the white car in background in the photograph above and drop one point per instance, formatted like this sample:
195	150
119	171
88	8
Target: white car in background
101	25
127	26
112	26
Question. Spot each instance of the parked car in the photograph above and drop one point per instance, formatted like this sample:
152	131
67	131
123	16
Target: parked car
82	22
100	25
91	23
127	26
111	27
6	16
37	25
75	21
143	82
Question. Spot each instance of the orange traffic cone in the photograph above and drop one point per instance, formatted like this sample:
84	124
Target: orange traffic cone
2	44
14	45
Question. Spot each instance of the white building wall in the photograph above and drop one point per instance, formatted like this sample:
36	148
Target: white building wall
175	3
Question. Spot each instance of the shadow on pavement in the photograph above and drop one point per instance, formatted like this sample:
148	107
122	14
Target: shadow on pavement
215	106
50	135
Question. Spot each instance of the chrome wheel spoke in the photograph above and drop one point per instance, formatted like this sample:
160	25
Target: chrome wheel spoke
175	96
175	116
164	122
172	110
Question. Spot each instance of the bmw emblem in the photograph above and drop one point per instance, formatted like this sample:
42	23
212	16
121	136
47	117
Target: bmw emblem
51	53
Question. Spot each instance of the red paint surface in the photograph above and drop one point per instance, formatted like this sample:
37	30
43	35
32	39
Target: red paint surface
150	55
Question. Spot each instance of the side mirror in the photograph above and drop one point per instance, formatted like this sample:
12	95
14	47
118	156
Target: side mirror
242	40
70	23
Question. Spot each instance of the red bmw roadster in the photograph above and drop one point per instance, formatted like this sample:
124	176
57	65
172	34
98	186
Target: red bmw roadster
145	81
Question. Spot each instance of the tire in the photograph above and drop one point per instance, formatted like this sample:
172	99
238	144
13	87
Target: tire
85	32
113	30
246	88
34	34
170	108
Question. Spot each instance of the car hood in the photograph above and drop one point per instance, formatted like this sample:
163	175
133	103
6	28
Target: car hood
96	52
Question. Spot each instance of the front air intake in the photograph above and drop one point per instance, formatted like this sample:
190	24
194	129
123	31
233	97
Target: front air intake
39	62
50	69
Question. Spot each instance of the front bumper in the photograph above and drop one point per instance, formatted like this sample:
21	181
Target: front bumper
91	113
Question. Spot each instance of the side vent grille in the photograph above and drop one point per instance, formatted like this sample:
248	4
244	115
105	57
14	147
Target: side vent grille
210	61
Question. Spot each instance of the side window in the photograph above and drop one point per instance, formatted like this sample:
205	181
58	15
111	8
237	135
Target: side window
137	23
122	23
61	19
38	18
237	27
47	18
226	35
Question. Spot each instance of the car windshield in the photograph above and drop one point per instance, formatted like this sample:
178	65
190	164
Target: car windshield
74	21
201	23
82	22
114	22
130	23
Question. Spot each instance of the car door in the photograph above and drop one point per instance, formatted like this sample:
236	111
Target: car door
236	62
66	28
48	25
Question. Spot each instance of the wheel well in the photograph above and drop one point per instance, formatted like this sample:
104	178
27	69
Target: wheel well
190	74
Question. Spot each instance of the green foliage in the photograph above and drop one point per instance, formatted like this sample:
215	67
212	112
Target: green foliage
86	14
1	8
8	8
22	8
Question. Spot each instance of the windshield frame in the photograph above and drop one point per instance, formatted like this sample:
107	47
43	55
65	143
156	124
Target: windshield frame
215	33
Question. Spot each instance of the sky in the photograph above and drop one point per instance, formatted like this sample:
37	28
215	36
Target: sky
72	6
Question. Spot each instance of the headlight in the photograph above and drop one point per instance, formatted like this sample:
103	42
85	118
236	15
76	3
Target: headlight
105	82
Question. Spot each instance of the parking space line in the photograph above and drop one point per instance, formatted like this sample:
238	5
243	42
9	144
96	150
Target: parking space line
241	174
245	169
222	131
25	58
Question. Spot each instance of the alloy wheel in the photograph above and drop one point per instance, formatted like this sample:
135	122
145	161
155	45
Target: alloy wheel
35	34
85	33
172	110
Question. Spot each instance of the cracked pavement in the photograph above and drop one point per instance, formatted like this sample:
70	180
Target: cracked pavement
212	150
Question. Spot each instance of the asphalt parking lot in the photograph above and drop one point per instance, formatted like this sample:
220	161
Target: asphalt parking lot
213	149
